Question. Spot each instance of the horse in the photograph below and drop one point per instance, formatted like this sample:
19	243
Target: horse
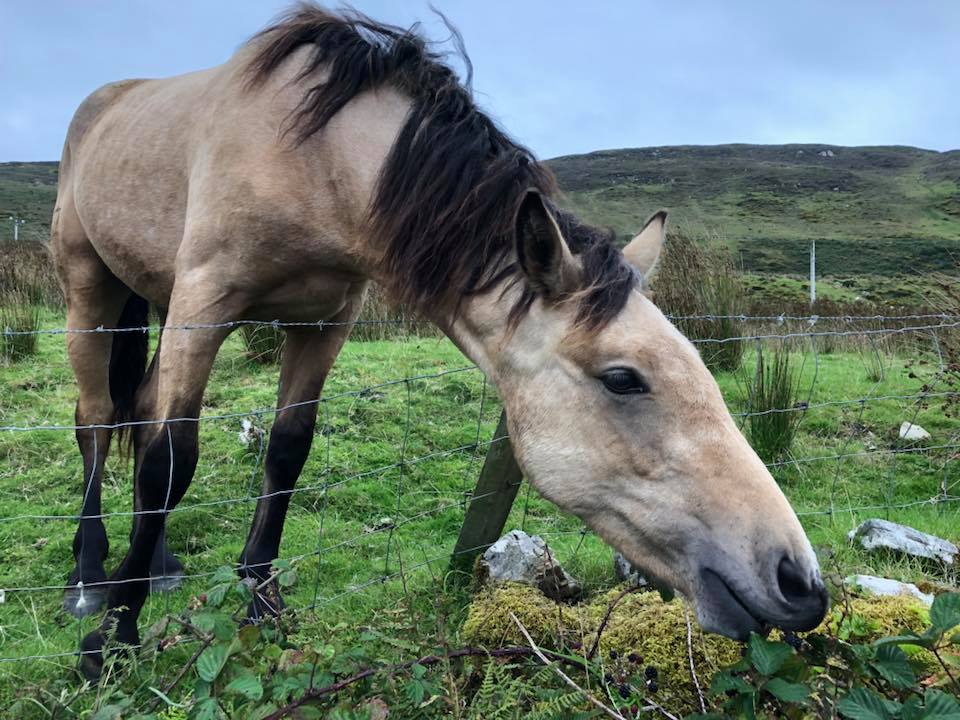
333	151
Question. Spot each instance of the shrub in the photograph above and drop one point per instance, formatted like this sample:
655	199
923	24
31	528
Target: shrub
771	404
263	342
27	268
382	319
18	314
694	280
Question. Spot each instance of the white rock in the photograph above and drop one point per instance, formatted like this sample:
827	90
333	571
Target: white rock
625	570
909	431
523	558
250	434
883	534
873	585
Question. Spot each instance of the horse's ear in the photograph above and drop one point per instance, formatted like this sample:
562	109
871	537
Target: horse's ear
542	252
642	252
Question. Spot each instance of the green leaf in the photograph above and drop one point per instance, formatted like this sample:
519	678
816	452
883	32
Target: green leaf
908	639
224	574
249	686
211	662
219	623
767	656
724	681
787	691
287	578
217	594
862	704
893	666
418	670
206	709
108	712
945	611
939	706
415	691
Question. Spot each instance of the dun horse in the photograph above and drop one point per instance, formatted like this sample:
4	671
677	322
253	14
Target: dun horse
332	151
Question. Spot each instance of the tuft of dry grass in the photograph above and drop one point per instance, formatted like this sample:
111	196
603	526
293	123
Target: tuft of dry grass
697	277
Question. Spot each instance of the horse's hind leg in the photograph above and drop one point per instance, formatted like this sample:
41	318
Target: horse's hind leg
168	453
308	356
94	298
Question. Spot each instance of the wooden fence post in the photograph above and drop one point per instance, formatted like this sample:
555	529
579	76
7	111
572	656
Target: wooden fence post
493	497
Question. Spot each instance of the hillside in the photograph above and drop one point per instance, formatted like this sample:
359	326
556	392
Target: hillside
878	210
872	210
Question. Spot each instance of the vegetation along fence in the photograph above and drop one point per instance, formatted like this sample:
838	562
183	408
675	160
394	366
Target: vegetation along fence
389	501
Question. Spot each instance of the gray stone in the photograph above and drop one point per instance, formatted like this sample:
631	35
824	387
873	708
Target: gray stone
873	585
882	534
625	570
518	557
910	431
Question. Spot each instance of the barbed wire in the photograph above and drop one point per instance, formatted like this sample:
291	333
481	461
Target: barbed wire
414	320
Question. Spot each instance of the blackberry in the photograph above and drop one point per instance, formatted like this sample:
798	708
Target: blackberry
651	673
652	686
613	655
634	658
624	692
607	678
793	640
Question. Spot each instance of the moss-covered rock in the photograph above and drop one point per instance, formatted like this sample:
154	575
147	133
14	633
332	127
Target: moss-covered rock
644	624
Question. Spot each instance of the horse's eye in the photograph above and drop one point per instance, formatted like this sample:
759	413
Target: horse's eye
623	381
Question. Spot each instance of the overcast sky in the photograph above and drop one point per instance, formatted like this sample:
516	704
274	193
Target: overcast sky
562	77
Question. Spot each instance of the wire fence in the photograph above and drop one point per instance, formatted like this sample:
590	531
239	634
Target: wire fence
394	463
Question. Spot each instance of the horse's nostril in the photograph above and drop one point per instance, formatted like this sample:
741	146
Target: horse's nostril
794	584
804	594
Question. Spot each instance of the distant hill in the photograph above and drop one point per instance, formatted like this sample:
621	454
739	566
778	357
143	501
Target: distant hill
879	210
876	210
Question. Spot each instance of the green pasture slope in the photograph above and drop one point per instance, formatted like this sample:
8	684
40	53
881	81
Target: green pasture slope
872	210
360	439
879	211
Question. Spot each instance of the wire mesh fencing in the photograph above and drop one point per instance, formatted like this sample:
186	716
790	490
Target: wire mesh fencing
402	431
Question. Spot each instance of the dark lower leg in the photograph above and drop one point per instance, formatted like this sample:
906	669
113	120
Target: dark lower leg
162	479
85	595
287	452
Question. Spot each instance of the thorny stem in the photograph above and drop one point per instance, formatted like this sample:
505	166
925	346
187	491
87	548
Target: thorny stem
606	618
563	676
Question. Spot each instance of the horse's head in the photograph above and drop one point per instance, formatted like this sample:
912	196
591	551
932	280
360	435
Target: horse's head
622	424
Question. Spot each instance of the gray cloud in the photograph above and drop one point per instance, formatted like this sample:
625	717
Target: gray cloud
563	77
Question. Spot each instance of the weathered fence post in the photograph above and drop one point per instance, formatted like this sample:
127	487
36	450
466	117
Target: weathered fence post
492	499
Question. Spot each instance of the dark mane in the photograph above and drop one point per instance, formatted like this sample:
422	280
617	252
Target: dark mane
448	195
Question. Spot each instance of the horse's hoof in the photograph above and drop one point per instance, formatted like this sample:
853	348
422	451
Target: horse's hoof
91	656
267	604
166	583
80	600
166	571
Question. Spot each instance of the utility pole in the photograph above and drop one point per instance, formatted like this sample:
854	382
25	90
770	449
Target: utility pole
17	222
813	272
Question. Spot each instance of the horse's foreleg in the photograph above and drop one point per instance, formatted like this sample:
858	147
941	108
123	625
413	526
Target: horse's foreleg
307	358
166	570
167	459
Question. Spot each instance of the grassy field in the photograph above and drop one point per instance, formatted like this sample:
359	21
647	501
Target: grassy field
872	210
374	537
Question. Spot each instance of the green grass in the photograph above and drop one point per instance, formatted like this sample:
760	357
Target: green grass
40	474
